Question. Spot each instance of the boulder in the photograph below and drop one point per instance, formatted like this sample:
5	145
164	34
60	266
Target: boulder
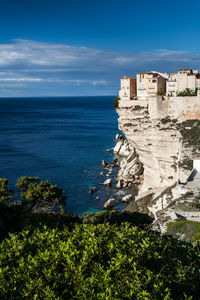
101	174
118	146
119	184
108	150
124	149
109	204
127	198
104	163
117	137
108	182
97	197
108	168
91	191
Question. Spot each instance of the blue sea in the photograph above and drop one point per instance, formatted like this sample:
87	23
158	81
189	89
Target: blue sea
62	139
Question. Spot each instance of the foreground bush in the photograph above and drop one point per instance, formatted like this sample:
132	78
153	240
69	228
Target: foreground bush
97	262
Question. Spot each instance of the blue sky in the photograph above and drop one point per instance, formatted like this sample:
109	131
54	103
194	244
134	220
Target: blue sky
83	47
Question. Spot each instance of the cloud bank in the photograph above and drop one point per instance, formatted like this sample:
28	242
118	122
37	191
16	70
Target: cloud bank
30	68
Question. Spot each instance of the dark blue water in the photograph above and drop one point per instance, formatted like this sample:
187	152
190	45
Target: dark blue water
60	139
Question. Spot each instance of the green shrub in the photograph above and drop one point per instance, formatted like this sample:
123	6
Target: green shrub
186	164
116	102
187	230
40	194
187	92
160	93
97	262
114	217
5	194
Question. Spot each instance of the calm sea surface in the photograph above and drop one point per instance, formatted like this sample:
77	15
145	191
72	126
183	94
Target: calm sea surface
60	139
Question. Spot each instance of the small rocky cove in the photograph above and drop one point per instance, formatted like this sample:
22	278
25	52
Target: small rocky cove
117	192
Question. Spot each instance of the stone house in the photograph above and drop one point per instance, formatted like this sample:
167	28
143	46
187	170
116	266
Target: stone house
148	84
128	89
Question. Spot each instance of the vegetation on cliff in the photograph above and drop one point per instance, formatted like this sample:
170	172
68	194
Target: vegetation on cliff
109	255
187	230
116	102
187	92
190	131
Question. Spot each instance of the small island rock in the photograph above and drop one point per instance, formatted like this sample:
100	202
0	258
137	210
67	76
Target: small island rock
104	163
127	198
109	203
108	182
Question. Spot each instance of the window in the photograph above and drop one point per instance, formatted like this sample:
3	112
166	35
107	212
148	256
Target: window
154	81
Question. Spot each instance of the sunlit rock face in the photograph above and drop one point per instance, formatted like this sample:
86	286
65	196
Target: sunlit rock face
161	150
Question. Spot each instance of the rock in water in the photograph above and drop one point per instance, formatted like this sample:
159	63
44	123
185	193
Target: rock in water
109	203
108	182
127	198
91	191
101	174
118	146
119	184
104	163
109	150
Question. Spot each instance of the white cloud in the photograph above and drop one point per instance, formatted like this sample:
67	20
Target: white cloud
55	66
21	79
99	82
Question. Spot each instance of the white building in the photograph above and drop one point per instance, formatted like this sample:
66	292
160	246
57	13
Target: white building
178	82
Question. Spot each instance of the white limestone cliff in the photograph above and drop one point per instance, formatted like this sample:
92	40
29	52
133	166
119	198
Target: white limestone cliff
158	152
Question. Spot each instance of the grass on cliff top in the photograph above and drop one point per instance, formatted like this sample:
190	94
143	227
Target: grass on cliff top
186	230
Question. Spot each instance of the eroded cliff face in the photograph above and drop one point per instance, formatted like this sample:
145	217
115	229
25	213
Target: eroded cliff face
158	151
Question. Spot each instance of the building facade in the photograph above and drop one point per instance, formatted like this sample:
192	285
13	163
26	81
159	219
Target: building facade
184	79
148	84
128	89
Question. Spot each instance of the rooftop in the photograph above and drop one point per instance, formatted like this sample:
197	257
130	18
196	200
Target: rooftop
127	77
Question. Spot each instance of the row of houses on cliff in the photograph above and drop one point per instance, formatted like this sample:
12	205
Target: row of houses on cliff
147	84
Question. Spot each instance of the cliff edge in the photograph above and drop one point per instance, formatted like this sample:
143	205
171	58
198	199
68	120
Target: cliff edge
161	151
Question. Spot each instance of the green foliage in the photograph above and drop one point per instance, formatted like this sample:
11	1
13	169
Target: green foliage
137	107
165	120
116	102
15	217
186	164
101	256
114	217
187	92
160	93
97	262
187	230
40	194
190	131
5	194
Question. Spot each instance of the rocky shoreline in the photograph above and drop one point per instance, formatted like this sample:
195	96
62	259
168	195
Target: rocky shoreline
164	204
120	191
